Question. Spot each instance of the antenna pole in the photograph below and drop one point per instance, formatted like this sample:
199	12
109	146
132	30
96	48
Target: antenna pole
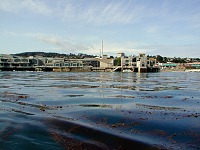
102	48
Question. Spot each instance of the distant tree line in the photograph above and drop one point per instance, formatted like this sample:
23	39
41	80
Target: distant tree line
161	59
51	54
158	58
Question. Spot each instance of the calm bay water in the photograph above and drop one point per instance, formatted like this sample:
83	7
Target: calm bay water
97	110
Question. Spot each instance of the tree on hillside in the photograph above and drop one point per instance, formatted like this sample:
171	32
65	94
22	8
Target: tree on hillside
159	58
118	61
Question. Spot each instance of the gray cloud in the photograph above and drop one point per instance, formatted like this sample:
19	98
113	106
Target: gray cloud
63	44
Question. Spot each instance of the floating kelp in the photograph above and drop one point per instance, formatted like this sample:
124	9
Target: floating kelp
122	96
96	105
74	95
157	107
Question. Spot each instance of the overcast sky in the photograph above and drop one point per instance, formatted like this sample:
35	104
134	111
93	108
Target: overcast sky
156	27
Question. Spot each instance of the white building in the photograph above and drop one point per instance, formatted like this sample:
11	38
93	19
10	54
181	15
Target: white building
106	62
120	54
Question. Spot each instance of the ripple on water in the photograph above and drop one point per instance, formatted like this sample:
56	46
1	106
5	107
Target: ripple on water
78	110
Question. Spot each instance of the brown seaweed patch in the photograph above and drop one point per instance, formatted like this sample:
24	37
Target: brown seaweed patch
4	86
73	143
14	95
76	86
23	96
158	132
7	133
168	96
96	105
34	105
125	124
88	86
122	96
75	95
196	115
40	106
124	87
150	96
21	112
78	136
166	88
157	107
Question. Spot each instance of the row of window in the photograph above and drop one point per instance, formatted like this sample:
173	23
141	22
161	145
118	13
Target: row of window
13	65
14	60
66	65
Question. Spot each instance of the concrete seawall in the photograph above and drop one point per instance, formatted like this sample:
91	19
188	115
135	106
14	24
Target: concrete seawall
72	69
78	69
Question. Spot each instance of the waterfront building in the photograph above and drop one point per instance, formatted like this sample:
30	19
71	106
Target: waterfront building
132	63
194	65
93	62
120	54
106	62
11	63
168	65
142	62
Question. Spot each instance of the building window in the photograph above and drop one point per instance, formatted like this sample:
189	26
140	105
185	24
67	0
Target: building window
74	65
57	65
66	64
